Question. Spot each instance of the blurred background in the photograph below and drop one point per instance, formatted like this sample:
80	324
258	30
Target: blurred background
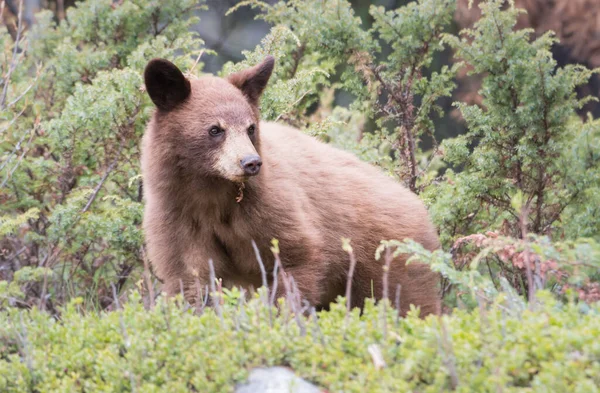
575	22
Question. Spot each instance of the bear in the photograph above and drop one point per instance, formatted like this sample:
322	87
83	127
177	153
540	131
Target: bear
217	178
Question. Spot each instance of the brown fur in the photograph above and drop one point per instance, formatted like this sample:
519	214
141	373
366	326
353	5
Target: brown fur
308	195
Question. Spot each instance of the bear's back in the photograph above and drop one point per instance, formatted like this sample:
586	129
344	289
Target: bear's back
350	198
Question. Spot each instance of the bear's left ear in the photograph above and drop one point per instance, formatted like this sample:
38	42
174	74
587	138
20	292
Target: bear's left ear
253	81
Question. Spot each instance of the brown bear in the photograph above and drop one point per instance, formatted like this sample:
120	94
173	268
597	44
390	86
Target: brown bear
216	178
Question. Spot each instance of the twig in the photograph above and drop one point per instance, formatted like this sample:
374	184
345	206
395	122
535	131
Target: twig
99	185
288	284
213	290
448	355
13	64
198	296
293	294
114	292
263	273
13	102
278	266
293	104
25	344
239	309
317	329
2	9
12	171
147	277
385	297
206	295
13	121
297	309
124	275
191	70
182	292
275	274
386	271
42	302
397	303
13	257
530	283
348	248
125	335
12	153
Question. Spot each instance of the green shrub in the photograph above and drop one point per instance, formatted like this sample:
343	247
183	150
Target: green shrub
169	348
524	140
69	159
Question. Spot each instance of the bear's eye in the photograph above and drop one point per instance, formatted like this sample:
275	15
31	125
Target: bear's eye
216	131
251	130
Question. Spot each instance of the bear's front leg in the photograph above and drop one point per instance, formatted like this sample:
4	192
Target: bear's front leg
182	259
205	263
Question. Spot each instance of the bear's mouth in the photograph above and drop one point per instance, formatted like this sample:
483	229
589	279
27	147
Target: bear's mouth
239	179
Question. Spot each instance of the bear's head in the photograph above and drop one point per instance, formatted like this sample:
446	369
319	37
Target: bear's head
211	124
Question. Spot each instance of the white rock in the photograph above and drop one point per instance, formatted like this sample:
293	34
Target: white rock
275	380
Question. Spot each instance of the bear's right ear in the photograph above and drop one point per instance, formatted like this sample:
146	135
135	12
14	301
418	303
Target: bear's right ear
165	84
252	81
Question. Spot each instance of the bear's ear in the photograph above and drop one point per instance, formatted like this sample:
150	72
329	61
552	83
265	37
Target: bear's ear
165	84
253	81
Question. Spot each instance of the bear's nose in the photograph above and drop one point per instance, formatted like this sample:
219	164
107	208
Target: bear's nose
251	164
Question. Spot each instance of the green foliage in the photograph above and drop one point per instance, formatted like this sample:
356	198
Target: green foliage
13	293
310	40
523	139
413	32
330	38
10	225
169	348
290	94
527	163
69	159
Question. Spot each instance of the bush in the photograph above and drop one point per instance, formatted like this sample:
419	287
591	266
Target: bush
71	191
553	348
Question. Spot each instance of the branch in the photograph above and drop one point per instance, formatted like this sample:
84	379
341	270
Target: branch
13	64
99	186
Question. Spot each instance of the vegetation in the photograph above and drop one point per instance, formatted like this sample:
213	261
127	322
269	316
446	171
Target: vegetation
515	198
507	348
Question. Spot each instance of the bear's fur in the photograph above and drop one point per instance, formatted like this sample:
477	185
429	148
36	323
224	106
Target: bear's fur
308	195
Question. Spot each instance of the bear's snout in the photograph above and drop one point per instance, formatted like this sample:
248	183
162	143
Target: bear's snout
251	165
